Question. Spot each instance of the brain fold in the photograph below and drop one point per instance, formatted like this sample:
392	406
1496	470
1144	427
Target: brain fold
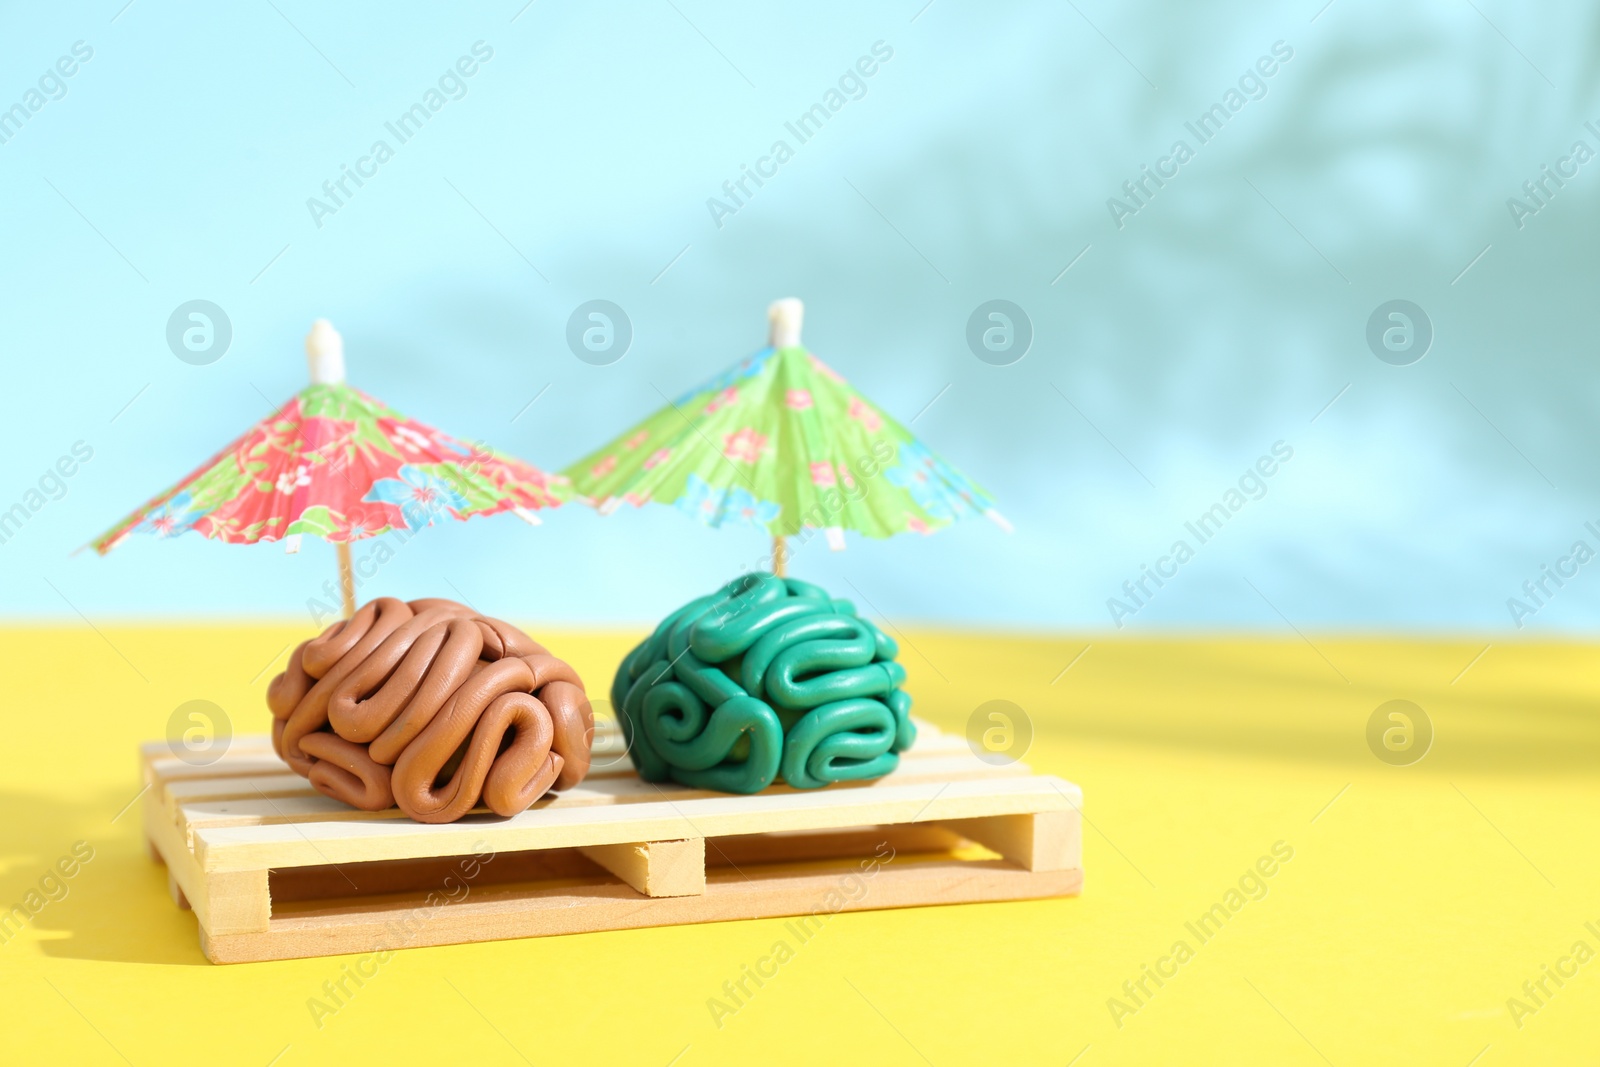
767	677
433	708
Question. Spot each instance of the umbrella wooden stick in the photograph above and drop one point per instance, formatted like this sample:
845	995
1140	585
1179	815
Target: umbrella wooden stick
347	579
325	360
784	318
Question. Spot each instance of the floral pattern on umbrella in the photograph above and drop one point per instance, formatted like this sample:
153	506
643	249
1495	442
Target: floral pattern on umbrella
340	465
783	442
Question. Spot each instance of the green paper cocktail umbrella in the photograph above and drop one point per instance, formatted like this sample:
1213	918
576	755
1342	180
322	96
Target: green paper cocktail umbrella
781	441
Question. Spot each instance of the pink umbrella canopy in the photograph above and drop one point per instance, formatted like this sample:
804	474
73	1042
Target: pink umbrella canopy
338	464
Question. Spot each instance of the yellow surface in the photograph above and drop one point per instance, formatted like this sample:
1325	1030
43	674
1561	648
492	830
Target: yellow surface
1416	903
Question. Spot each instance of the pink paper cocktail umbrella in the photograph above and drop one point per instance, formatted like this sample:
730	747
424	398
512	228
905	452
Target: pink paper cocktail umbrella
337	464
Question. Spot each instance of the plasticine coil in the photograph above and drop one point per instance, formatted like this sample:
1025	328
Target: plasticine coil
767	677
432	707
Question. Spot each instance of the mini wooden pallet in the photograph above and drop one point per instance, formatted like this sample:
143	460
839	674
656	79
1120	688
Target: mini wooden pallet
275	870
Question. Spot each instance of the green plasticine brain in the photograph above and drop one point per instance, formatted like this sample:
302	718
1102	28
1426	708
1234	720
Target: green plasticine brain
767	677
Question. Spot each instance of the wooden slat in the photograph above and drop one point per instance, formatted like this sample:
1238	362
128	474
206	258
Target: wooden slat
329	884
281	782
236	903
242	745
353	841
254	805
288	784
791	847
199	790
284	782
183	870
496	912
252	754
171	769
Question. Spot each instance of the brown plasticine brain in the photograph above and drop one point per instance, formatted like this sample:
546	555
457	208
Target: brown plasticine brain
432	707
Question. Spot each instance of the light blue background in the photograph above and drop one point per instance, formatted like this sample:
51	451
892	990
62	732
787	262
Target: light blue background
1221	319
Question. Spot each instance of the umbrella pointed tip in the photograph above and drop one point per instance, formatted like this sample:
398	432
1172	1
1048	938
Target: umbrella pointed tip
325	353
785	317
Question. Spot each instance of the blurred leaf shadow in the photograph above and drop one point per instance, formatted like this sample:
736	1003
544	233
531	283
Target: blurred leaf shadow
115	907
1287	716
1522	711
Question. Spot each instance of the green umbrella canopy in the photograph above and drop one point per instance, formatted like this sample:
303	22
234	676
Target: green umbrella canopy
781	441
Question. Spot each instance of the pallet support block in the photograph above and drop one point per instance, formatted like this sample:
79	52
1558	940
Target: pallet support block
1041	841
236	902
656	868
222	901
